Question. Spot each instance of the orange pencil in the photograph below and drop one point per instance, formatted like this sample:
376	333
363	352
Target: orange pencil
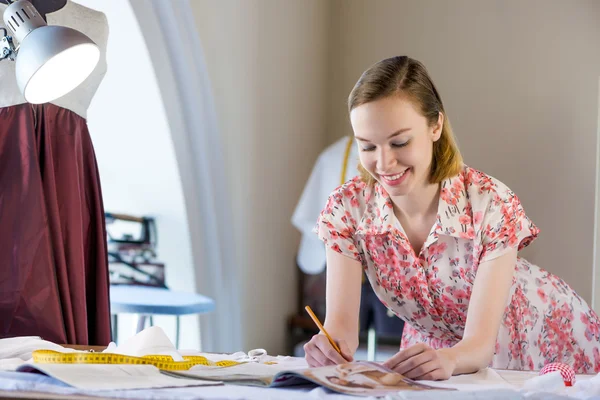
322	328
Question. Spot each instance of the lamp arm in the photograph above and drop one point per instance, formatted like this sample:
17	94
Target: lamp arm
7	47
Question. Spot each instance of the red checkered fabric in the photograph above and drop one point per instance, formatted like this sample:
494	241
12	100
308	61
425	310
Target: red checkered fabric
568	374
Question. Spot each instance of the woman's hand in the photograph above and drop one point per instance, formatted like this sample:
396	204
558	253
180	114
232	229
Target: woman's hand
422	362
319	352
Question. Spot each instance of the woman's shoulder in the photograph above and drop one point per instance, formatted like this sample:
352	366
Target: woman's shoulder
498	215
353	190
481	187
350	198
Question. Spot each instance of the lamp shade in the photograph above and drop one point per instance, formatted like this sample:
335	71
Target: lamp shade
52	60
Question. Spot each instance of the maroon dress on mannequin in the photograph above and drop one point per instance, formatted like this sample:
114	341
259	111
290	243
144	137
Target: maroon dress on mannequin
53	261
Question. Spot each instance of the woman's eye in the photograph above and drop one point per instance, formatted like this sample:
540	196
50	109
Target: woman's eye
399	144
369	148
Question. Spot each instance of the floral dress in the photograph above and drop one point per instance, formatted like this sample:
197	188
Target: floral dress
479	219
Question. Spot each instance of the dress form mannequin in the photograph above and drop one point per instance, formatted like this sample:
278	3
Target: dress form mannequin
53	262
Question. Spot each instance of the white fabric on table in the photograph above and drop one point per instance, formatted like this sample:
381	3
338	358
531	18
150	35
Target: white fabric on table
13	381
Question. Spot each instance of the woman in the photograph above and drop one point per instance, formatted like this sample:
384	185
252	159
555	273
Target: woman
438	242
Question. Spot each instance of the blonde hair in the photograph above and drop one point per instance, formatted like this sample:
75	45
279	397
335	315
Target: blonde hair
405	77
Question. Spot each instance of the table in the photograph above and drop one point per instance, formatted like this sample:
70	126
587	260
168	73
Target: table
39	386
147	301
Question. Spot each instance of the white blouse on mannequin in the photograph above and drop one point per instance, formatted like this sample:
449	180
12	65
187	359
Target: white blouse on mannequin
90	22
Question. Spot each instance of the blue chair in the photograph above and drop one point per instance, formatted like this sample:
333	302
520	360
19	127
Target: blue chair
147	301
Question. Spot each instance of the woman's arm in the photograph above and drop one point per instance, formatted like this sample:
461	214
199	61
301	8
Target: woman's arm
486	308
344	276
341	321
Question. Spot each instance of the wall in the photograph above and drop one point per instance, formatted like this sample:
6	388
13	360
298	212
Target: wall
267	64
520	84
136	160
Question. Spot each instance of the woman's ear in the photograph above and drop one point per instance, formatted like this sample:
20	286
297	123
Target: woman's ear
438	127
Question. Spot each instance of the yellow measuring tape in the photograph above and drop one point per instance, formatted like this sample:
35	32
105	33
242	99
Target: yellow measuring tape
159	361
345	163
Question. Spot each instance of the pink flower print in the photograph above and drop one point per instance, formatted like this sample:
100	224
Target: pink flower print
345	233
535	326
464	220
447	301
331	203
592	331
469	234
395	262
435	283
413	282
336	247
543	345
437	249
458	272
384	283
376	242
372	230
530	363
378	258
445	195
490	232
404	251
477	217
391	252
457	186
581	361
461	295
539	282
542	295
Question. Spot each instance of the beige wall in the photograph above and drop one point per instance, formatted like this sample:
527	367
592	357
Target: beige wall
520	84
267	64
519	80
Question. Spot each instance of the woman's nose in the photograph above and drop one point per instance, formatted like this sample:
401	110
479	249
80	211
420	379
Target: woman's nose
385	160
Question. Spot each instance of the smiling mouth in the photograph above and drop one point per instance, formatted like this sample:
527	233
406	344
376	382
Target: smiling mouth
395	177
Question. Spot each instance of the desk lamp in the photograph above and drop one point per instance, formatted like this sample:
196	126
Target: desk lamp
50	60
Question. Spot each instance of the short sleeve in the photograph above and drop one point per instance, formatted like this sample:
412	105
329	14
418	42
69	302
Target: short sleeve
505	225
336	224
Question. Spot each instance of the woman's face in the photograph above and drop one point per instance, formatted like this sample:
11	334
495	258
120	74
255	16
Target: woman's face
395	143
